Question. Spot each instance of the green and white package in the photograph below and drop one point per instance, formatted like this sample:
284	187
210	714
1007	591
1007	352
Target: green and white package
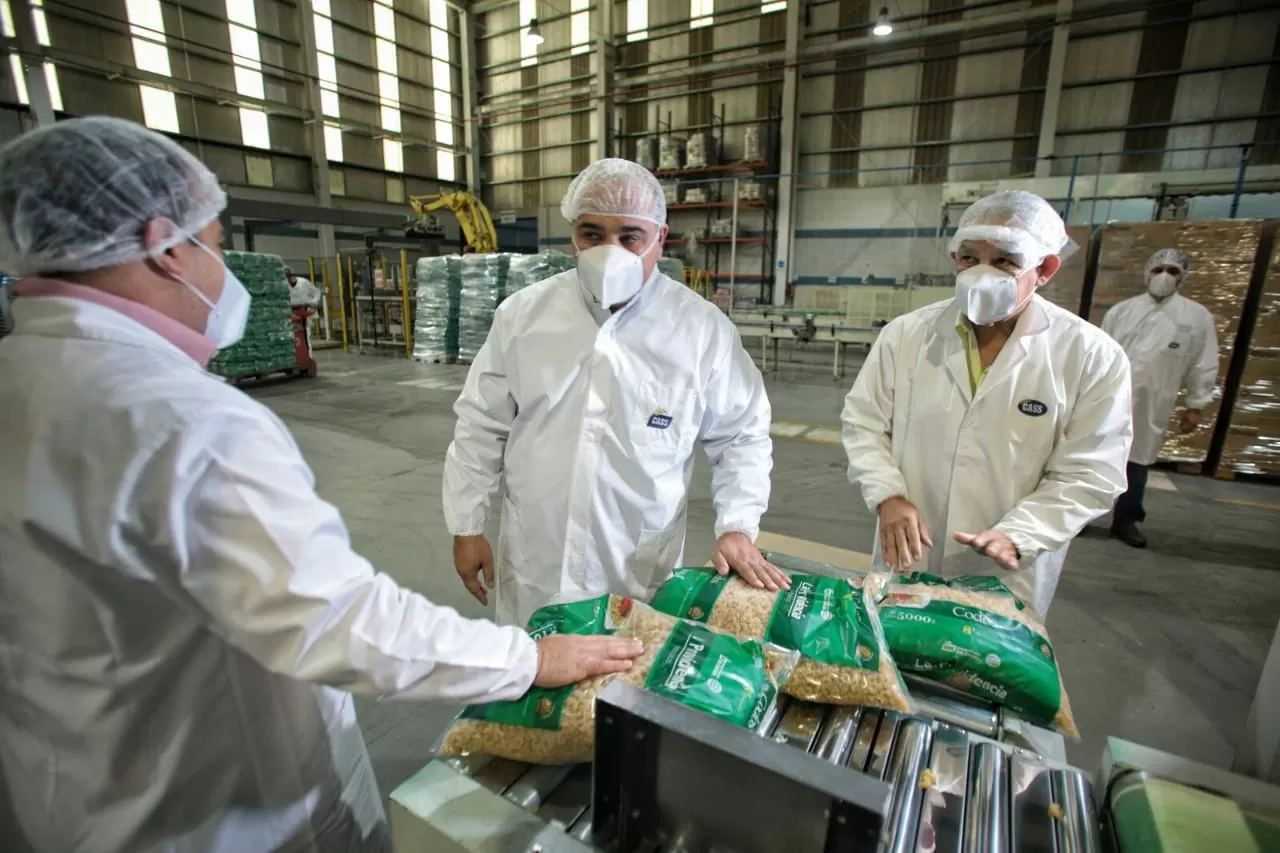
832	622
973	634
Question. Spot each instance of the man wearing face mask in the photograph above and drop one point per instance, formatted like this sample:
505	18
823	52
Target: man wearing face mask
182	618
1172	344
987	430
587	401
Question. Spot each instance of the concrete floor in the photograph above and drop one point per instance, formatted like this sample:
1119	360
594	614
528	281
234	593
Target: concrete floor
1162	646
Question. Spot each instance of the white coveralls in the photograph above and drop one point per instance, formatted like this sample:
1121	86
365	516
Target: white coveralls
1036	454
591	419
303	292
171	588
1172	345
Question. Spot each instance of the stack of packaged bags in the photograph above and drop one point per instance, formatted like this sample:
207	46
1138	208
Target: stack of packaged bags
671	268
525	270
435	328
267	345
6	314
484	286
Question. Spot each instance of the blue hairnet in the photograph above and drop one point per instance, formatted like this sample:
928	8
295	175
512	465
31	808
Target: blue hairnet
75	196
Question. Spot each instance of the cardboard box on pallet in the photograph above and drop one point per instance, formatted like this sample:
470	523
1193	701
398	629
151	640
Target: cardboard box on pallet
1222	256
1066	288
1253	433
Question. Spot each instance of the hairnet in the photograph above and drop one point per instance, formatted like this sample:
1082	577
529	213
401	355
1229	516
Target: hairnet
75	196
1018	222
615	187
1173	257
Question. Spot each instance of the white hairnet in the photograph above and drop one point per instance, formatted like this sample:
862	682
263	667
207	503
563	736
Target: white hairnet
1173	257
615	187
1019	222
75	196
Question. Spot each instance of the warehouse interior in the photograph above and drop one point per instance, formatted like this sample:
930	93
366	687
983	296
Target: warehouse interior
816	156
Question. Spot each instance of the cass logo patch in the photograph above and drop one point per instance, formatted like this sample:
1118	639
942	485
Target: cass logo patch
1034	408
1174	345
659	419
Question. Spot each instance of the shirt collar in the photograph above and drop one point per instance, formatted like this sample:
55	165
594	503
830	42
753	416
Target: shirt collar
195	345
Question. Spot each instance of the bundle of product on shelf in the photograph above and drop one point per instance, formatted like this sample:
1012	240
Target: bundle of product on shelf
722	228
267	345
671	268
435	328
701	151
6	313
527	269
750	191
670	152
700	194
484	286
671	192
753	145
647	152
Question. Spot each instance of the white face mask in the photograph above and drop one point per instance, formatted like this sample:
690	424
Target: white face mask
612	274
228	317
986	294
1162	285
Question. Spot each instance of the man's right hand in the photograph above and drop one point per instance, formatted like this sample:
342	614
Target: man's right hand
569	658
472	556
903	536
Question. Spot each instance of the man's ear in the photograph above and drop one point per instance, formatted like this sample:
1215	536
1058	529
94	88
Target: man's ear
160	232
1048	267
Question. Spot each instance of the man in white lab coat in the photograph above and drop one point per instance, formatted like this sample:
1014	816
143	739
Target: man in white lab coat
987	430
182	618
302	293
588	400
1172	345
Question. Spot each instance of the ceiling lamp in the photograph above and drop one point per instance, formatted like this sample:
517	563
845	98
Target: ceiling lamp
883	25
535	32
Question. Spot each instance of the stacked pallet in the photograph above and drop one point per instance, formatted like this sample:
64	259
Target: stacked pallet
484	286
267	345
528	269
435	328
1222	257
1066	288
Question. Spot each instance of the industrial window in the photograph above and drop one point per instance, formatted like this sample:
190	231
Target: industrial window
246	56
393	155
384	31
151	53
768	6
580	26
442	83
327	71
701	13
528	46
41	26
637	20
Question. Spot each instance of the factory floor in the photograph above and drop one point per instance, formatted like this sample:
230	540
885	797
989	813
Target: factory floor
1162	646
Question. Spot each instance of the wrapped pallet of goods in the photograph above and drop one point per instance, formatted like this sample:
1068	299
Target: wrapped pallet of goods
435	327
672	268
1222	254
670	152
753	144
647	152
702	151
484	286
1066	288
525	270
6	313
267	345
1252	443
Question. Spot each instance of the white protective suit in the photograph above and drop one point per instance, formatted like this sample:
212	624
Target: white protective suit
592	420
1172	345
1036	454
169	584
303	292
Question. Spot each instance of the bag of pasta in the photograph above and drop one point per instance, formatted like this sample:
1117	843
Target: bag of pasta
546	725
831	622
731	678
973	634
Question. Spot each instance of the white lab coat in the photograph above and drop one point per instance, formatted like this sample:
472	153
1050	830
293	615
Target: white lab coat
171	588
1172	346
303	292
592	421
1036	454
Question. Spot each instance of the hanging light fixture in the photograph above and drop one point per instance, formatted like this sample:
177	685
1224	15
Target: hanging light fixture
535	32
883	26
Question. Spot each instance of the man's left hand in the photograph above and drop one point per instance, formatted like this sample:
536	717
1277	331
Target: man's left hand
991	544
736	552
1190	420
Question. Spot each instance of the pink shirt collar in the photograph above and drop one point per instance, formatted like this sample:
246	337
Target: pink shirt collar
199	348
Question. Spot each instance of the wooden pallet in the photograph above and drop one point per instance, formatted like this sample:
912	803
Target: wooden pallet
1230	474
291	372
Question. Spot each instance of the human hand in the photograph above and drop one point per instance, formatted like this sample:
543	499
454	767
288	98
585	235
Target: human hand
991	544
472	556
736	552
569	658
903	536
1191	419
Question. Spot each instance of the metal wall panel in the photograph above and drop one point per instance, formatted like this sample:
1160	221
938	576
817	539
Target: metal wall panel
894	126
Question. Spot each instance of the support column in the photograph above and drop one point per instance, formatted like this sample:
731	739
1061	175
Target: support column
787	156
470	93
32	63
319	158
602	118
1053	90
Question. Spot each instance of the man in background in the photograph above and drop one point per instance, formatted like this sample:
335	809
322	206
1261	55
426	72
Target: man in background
1172	346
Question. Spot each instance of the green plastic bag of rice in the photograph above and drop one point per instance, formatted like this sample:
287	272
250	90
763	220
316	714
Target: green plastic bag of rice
973	634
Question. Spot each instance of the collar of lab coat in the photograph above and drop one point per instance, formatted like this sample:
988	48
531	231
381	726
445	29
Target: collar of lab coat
1033	320
59	309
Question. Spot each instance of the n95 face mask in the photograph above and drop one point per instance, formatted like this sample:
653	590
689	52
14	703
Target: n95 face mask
1162	285
612	274
986	294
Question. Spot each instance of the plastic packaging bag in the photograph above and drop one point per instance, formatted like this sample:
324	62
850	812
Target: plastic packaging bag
832	622
546	725
731	678
973	634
